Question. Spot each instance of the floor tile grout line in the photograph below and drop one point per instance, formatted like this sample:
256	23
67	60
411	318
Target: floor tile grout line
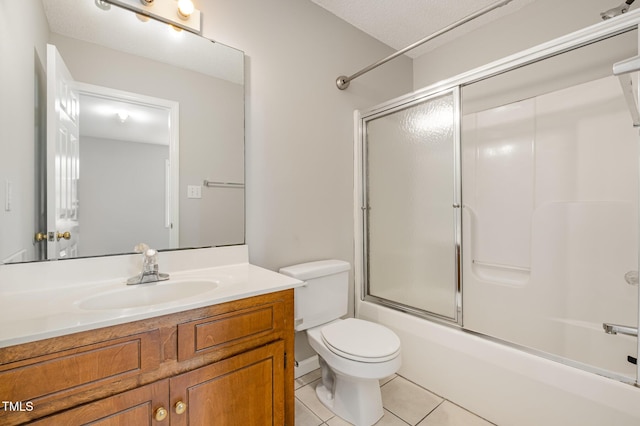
434	409
389	381
470	412
443	400
403	420
313	412
409	381
397	417
307	384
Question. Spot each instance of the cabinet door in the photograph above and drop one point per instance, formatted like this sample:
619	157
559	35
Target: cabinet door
247	389
135	407
53	380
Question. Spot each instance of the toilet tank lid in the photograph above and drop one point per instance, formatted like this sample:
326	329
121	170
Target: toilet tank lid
320	268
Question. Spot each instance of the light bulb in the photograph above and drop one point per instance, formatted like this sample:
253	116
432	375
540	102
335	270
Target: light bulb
185	9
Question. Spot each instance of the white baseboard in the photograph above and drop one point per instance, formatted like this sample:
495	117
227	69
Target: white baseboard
306	366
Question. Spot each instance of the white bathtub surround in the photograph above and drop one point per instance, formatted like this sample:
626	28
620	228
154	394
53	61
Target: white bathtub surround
502	384
550	222
49	299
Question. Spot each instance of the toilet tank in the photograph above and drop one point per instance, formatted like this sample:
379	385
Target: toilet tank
325	295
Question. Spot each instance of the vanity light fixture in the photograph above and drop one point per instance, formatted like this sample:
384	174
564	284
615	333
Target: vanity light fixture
142	18
180	13
102	4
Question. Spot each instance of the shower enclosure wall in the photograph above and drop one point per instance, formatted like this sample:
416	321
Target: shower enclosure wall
550	216
505	202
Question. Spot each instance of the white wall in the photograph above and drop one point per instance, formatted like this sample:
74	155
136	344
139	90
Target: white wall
114	220
22	26
541	21
299	126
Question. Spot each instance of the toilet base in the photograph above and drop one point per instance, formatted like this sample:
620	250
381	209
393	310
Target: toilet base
357	401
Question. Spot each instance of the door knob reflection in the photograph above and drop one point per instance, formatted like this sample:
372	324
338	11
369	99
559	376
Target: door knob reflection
65	235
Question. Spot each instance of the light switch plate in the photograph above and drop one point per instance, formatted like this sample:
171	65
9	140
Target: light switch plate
194	191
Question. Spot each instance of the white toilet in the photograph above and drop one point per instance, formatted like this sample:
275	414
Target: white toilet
354	354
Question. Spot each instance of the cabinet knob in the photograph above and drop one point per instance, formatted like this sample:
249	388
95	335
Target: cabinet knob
161	414
180	407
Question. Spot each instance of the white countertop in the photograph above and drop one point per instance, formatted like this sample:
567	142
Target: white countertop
31	313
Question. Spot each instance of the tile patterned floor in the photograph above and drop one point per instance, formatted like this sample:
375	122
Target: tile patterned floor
405	403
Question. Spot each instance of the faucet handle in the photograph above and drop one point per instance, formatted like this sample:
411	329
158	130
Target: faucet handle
150	257
150	261
141	248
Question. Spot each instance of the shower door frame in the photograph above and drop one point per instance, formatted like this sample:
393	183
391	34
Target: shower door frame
456	207
592	34
457	221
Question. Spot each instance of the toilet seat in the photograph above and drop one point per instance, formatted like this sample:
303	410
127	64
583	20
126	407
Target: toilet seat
361	340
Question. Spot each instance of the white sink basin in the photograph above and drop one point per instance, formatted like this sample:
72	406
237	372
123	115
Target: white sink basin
135	296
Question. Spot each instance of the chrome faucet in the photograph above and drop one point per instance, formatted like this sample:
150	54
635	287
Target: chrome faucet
149	272
622	329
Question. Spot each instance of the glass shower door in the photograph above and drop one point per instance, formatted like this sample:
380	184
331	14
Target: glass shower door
550	171
411	206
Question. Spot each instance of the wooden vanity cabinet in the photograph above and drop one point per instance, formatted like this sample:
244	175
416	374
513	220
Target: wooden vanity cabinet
221	365
247	389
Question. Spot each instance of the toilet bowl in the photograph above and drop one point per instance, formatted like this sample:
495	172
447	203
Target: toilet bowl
354	354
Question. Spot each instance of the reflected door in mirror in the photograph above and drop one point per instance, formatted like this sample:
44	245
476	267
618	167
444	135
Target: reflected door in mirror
63	226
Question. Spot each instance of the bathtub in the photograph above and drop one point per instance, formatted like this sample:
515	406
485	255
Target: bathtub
505	385
587	342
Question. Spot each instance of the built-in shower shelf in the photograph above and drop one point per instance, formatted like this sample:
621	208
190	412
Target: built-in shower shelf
502	266
501	273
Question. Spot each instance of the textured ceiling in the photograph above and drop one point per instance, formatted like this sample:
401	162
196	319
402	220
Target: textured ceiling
399	23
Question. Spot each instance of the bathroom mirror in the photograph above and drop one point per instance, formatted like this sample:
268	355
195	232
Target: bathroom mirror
121	180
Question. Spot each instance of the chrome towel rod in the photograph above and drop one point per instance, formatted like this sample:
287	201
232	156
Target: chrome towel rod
343	81
210	184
